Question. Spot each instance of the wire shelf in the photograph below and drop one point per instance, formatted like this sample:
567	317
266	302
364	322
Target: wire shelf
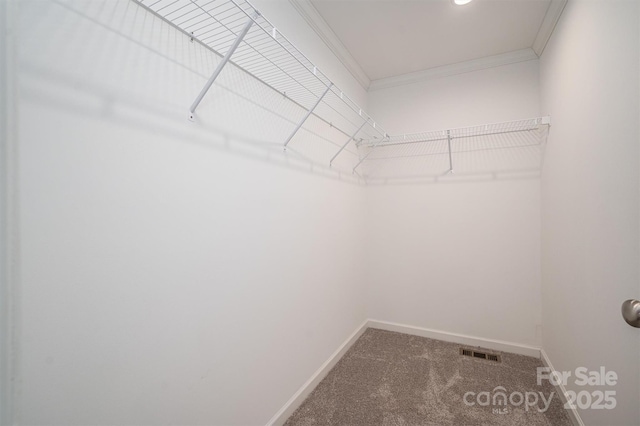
508	148
334	129
270	57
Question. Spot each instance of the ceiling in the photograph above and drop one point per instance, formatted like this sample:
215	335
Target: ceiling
388	38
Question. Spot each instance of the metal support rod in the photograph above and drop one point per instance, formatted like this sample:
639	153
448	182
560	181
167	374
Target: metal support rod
347	142
449	144
457	137
362	159
374	146
307	115
222	63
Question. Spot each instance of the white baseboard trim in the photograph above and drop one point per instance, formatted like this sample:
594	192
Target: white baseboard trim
298	398
496	345
562	392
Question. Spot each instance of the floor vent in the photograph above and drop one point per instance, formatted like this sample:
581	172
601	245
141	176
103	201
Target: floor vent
481	355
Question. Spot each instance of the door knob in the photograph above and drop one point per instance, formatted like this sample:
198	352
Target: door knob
631	312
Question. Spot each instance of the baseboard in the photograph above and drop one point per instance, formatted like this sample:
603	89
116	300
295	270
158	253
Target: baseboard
496	345
562	392
298	398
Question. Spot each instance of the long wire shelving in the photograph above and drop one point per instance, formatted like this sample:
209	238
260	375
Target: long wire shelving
237	32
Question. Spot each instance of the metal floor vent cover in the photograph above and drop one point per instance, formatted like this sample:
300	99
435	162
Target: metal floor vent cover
482	355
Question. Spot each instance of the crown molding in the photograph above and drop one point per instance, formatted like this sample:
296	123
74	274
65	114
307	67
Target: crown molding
548	24
320	26
462	67
311	15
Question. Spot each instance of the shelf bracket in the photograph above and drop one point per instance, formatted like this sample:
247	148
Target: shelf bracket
449	145
307	116
222	63
386	138
362	159
347	142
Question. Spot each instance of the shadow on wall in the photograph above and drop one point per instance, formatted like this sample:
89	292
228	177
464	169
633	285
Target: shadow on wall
116	61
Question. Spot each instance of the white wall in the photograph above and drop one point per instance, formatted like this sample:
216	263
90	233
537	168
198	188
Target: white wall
461	257
589	85
459	100
171	272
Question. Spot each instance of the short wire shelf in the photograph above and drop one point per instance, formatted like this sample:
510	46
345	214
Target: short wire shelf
507	147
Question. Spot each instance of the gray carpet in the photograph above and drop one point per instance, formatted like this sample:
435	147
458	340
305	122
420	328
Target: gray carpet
389	378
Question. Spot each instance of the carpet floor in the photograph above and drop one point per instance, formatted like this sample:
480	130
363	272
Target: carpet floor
390	379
